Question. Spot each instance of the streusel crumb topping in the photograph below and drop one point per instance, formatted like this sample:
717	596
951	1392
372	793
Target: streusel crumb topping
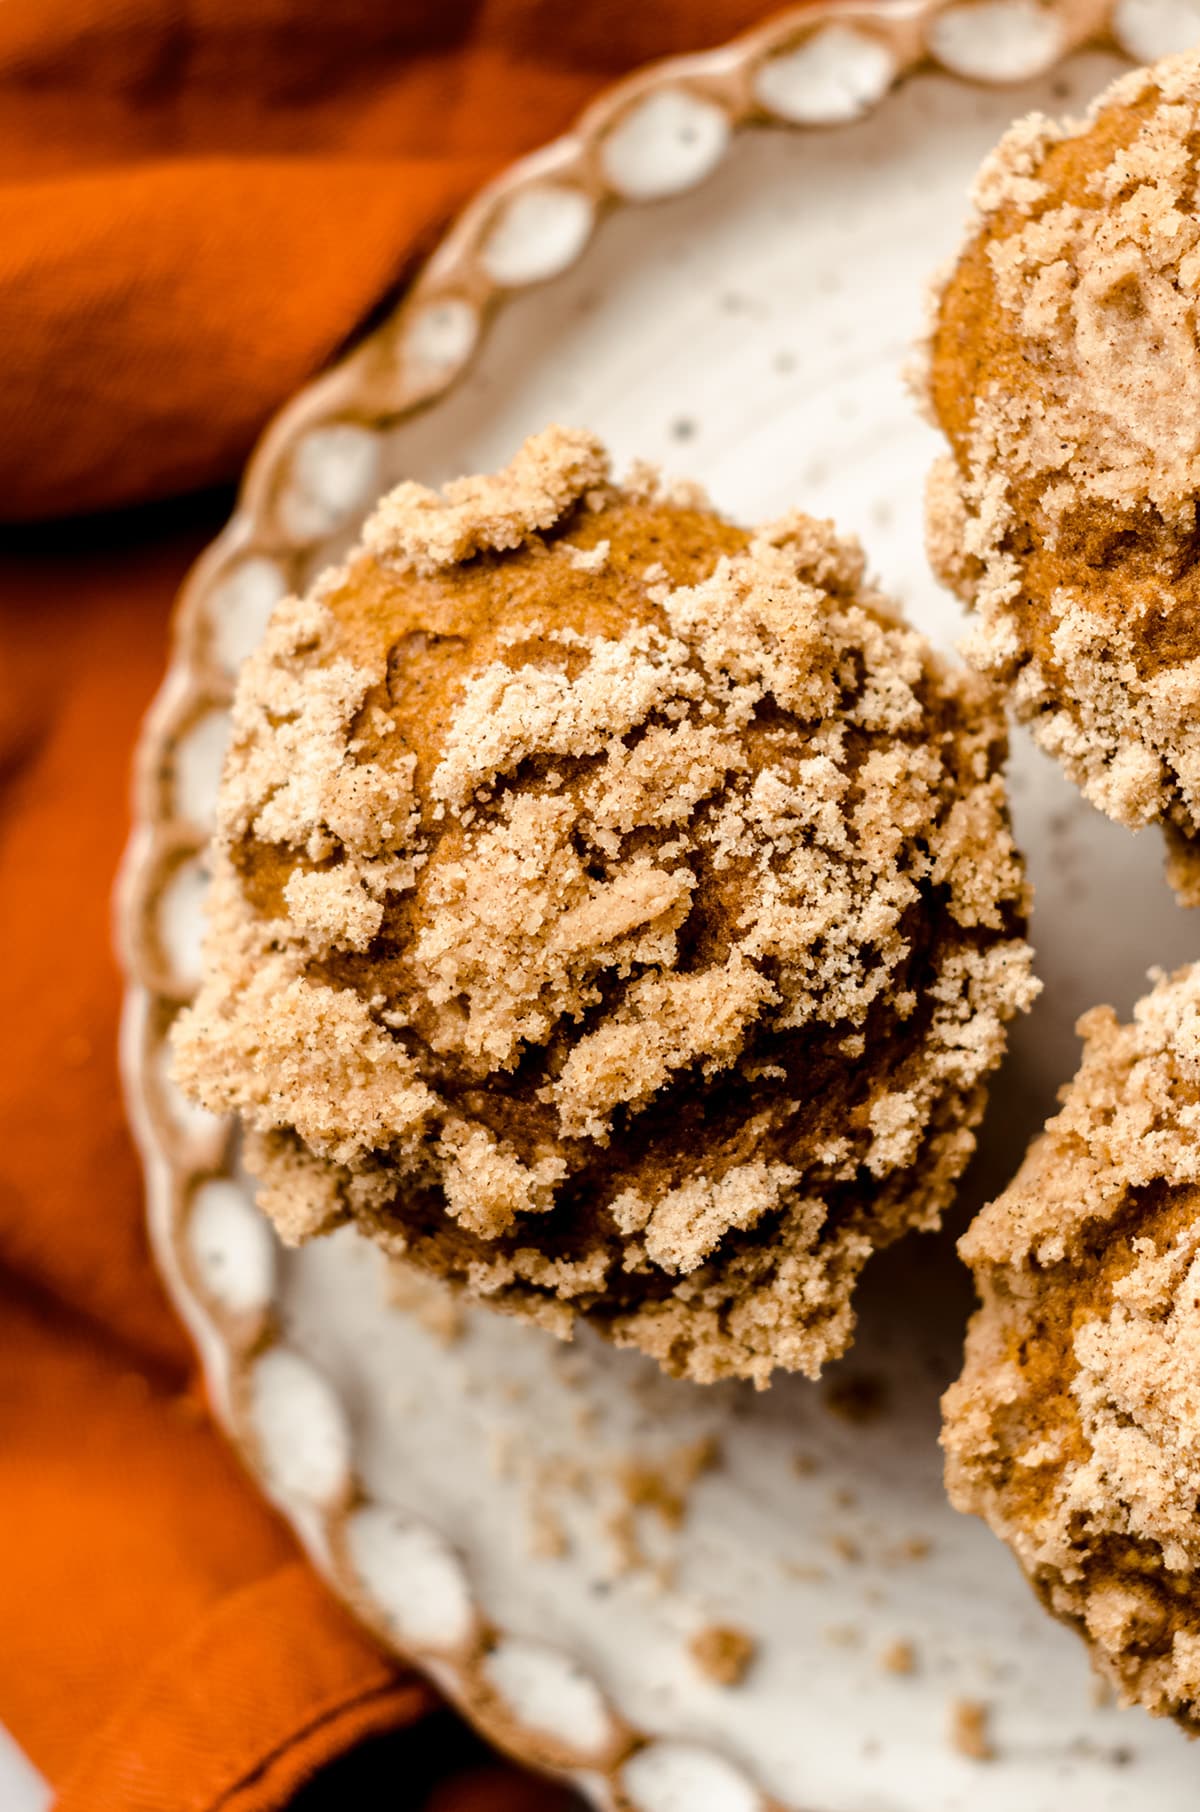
1075	1428
1064	367
616	911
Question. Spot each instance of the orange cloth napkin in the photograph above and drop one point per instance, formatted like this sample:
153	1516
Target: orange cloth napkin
200	200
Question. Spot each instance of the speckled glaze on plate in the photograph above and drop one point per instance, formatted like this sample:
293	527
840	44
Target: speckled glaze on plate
721	268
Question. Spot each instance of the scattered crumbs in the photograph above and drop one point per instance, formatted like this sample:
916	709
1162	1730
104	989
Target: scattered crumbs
898	1657
804	1465
842	1635
514	1390
844	1498
846	1549
637	1504
969	1730
902	1553
722	1652
546	1535
663	1485
434	1305
561	1473
1102	1694
621	1528
664	1575
860	1397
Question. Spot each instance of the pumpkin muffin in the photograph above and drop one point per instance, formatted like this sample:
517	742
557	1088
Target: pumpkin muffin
1064	368
615	912
1075	1427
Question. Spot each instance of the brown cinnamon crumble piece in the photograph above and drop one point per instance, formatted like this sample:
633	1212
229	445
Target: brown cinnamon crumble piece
1075	1427
723	1653
899	1657
969	1730
1064	367
664	1485
615	912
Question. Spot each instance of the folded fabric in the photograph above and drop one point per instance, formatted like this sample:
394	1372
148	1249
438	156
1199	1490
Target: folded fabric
201	199
200	202
161	1645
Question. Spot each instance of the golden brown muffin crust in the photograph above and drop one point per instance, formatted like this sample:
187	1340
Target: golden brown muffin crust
1064	368
614	907
1075	1427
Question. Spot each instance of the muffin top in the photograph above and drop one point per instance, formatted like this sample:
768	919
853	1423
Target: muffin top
611	906
1064	368
1075	1427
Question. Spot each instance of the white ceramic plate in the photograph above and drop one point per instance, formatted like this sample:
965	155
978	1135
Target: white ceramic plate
736	300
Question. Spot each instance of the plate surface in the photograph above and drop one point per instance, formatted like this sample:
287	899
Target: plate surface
543	1528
